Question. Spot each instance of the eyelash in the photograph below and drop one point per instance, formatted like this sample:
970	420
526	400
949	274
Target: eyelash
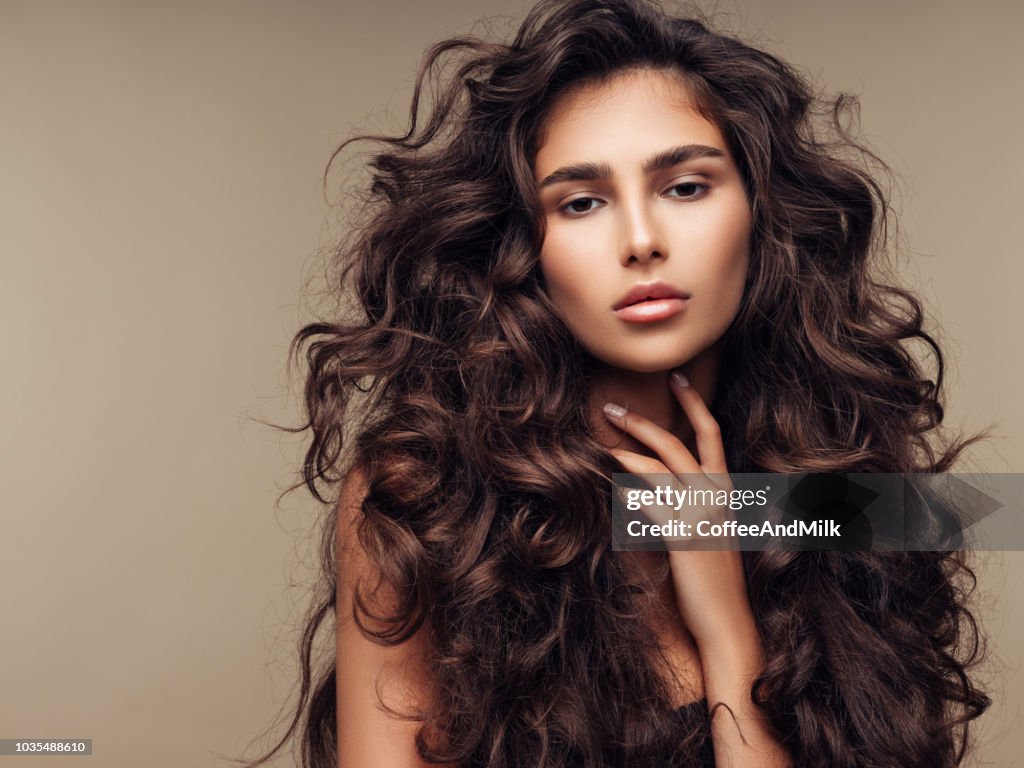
701	191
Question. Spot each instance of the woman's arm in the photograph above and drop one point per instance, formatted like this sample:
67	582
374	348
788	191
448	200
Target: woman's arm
711	585
366	670
711	593
741	735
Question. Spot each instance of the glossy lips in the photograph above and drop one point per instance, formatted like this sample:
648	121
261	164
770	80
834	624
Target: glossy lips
649	302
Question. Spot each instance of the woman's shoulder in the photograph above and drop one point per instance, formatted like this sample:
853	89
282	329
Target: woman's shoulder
359	571
353	491
372	676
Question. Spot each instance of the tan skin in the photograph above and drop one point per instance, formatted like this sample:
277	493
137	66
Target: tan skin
623	208
620	209
710	592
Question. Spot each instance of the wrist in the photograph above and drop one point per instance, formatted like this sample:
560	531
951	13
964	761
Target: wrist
735	637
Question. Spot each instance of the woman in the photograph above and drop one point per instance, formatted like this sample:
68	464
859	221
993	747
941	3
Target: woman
621	242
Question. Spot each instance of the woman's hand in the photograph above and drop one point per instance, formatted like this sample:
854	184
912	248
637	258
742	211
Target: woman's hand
711	589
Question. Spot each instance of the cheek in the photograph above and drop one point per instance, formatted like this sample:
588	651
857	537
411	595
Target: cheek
733	253
562	270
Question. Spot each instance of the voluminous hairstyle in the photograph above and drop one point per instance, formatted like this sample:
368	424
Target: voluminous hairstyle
461	397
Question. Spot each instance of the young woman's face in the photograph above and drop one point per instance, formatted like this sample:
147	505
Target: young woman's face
641	200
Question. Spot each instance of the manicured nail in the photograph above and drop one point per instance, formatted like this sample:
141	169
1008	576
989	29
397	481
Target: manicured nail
614	412
680	381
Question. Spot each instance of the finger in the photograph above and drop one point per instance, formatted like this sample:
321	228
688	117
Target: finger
669	448
679	486
705	427
639	464
644	466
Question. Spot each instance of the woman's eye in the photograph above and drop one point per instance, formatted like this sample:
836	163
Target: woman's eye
688	190
581	205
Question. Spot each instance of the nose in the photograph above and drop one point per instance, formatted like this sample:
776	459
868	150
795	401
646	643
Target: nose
643	238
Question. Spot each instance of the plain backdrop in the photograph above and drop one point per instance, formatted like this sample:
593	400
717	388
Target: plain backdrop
161	215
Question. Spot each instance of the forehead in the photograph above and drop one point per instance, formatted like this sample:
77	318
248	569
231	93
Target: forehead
630	114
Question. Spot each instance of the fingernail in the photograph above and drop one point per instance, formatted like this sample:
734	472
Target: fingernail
679	380
614	411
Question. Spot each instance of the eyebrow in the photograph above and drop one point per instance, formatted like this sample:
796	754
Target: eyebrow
658	162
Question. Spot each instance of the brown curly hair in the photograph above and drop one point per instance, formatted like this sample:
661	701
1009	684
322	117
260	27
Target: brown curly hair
459	392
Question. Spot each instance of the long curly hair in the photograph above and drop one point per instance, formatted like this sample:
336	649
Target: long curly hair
460	394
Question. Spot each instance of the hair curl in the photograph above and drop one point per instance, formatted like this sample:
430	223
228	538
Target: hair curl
487	491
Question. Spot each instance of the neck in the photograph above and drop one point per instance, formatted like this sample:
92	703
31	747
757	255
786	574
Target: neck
648	395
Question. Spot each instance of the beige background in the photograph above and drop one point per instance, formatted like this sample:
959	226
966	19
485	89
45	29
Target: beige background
160	209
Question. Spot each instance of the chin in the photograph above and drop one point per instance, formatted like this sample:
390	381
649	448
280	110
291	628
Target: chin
645	365
656	368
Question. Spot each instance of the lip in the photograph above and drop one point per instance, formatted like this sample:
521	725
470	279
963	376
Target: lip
651	310
649	302
642	292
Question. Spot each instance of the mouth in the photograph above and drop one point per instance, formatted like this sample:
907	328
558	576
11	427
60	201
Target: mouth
651	302
649	292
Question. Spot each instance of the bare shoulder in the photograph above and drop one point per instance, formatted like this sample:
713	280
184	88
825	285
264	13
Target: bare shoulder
372	677
350	512
357	568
